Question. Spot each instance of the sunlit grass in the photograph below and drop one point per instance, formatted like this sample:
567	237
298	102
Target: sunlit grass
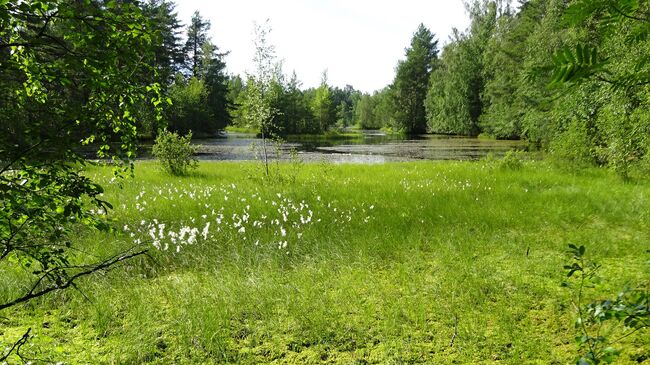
346	264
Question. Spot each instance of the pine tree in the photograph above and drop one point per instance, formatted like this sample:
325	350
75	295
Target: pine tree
216	83
412	80
197	36
169	56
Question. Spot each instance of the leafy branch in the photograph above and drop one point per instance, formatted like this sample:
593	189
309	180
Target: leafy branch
630	307
582	62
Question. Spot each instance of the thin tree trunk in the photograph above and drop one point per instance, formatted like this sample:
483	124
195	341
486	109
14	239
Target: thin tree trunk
266	158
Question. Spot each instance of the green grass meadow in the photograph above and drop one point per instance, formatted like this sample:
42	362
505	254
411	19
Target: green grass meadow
399	263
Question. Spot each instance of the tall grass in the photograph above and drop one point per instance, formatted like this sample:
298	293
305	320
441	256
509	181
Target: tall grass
397	263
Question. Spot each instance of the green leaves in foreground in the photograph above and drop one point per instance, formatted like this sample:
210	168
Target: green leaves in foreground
572	65
598	322
611	18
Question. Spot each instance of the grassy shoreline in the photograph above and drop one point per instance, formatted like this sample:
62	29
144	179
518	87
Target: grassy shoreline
344	264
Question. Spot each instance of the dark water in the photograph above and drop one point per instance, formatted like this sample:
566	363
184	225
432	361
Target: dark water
370	147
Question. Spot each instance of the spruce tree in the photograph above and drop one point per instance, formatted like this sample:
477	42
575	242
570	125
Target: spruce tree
197	35
412	80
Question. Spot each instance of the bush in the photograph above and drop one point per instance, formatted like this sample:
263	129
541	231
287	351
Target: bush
175	153
511	161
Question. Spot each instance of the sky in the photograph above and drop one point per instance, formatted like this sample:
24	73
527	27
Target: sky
358	42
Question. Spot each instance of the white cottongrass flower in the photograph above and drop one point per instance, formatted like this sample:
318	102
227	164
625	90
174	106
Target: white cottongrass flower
242	230
192	239
283	232
204	233
152	233
161	231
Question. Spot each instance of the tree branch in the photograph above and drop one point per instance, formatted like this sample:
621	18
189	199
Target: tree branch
17	345
70	281
628	16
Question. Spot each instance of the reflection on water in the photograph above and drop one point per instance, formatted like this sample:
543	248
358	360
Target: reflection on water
368	147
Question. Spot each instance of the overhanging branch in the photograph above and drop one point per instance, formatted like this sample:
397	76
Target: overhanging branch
70	281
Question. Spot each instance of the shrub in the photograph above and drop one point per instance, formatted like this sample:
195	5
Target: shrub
511	161
174	152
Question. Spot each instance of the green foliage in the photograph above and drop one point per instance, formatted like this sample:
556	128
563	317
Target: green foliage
572	78
452	101
345	100
365	113
72	75
216	82
623	22
322	106
189	109
625	128
175	153
572	66
197	37
168	52
505	104
596	322
574	146
511	161
409	89
200	101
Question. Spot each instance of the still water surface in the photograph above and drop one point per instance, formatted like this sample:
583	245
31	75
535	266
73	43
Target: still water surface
370	147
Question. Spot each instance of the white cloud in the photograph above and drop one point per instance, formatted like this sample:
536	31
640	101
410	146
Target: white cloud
358	41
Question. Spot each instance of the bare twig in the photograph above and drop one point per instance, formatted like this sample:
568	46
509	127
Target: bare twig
70	281
453	336
16	346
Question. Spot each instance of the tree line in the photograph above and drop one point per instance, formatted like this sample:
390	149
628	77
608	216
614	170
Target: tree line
493	79
496	79
569	76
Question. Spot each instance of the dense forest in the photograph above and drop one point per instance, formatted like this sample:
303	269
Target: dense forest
496	79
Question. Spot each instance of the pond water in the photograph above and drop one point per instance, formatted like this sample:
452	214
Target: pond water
368	147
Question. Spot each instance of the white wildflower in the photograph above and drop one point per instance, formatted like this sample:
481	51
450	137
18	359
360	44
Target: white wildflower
204	233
